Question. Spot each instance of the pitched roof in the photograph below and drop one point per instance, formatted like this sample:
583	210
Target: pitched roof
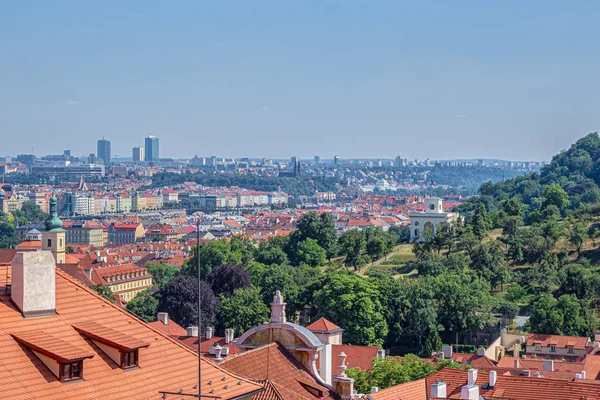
166	365
275	363
406	391
357	356
515	387
103	334
559	341
172	328
50	346
323	325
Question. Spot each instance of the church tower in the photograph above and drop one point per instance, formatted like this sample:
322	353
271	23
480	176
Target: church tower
53	237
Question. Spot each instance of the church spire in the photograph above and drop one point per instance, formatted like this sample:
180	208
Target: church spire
53	221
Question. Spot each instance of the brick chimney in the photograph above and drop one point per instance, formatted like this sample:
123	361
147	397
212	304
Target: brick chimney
33	288
278	309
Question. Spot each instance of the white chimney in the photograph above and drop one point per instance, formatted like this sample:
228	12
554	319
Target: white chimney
469	392
472	376
548	365
481	352
493	378
438	390
583	374
33	288
218	350
441	355
447	350
577	376
381	354
228	335
163	317
526	373
192	331
374	389
278	309
325	361
209	332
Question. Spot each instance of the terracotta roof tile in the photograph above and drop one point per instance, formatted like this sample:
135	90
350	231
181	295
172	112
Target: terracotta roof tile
323	325
51	346
95	331
357	356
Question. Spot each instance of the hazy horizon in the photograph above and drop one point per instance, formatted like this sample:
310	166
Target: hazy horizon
439	80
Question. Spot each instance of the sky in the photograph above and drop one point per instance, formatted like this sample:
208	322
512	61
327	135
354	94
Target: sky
515	80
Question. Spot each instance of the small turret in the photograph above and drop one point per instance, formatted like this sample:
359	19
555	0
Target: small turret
53	221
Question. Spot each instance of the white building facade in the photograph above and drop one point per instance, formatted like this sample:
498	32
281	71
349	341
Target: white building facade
430	220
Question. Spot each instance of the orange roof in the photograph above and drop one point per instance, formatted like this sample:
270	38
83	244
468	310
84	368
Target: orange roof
577	342
166	365
323	325
44	343
172	328
514	387
29	243
357	356
274	362
406	391
95	331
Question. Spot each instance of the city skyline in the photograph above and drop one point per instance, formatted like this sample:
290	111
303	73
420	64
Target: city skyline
256	79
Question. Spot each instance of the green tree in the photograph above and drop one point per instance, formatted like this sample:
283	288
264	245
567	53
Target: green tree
144	305
226	279
69	249
243	310
481	222
565	316
578	234
556	196
353	303
105	292
162	273
488	261
352	244
376	248
268	279
513	207
212	254
310	253
179	298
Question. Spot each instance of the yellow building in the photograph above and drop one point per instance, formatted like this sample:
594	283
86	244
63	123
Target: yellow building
126	280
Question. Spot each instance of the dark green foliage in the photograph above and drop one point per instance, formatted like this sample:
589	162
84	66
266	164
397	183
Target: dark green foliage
144	305
179	298
162	273
565	316
226	279
105	292
243	310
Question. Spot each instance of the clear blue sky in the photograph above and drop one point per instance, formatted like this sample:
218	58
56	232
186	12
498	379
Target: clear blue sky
439	79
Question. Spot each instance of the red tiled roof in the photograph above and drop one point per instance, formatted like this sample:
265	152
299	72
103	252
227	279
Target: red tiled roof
323	325
559	341
172	328
275	363
7	255
406	391
103	334
357	356
166	365
50	346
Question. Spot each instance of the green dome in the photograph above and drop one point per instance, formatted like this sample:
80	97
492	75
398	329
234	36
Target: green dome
53	222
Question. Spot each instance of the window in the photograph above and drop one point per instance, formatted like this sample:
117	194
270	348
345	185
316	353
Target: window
61	242
49	242
538	347
571	349
432	207
552	348
71	371
129	359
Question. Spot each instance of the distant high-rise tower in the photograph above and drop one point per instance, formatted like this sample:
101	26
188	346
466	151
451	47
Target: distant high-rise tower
336	160
151	148
398	162
138	154
104	150
317	160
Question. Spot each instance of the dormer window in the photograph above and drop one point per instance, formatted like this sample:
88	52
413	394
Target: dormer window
553	348
571	349
71	371
538	347
129	359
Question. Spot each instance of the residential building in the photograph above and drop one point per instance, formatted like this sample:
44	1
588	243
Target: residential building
124	203
151	148
569	348
126	280
163	232
89	232
125	233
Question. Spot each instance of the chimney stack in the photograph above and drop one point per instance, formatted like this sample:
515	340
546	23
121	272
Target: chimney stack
374	389
516	364
548	365
438	390
228	335
380	354
209	332
163	317
472	376
33	288
278	309
218	350
583	374
493	379
192	331
447	350
481	352
469	392
577	376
